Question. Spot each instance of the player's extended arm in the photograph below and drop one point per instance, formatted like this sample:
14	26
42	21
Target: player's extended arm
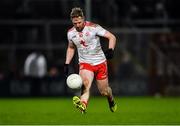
112	43
112	39
69	55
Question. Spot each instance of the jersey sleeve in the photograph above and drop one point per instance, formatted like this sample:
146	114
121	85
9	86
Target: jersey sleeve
69	38
100	31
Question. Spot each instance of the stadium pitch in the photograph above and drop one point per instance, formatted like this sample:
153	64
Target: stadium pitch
60	111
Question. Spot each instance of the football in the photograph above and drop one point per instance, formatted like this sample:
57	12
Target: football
74	81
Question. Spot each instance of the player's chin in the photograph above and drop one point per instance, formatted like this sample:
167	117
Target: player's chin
79	29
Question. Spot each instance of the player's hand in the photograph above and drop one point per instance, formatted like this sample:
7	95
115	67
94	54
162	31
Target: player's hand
66	69
109	54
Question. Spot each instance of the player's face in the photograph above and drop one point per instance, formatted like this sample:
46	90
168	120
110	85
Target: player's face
78	23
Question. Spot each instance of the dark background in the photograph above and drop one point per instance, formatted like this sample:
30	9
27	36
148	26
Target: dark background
147	55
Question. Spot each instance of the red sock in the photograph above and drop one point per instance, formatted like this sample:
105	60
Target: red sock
85	102
110	98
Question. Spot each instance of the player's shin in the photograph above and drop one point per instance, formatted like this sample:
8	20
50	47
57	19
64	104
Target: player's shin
85	98
112	104
85	93
109	94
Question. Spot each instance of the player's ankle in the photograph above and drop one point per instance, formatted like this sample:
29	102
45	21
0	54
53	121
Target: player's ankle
110	99
85	103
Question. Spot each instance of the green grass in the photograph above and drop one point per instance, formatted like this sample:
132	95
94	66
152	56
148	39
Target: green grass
131	110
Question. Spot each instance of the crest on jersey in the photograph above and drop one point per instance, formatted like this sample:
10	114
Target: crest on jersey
83	43
80	34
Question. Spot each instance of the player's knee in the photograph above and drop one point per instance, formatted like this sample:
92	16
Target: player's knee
85	81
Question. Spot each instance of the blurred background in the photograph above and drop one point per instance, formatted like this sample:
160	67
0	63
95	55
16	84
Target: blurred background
33	45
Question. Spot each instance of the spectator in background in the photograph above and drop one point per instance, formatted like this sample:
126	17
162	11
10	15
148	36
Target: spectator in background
35	65
35	68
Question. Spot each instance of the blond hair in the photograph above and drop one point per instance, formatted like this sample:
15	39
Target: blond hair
76	12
